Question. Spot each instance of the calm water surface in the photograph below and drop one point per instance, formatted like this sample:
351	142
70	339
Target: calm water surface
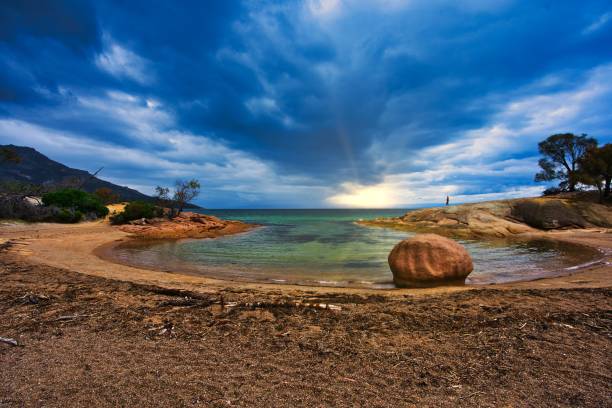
326	247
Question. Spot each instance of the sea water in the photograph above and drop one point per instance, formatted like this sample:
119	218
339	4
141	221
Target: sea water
327	247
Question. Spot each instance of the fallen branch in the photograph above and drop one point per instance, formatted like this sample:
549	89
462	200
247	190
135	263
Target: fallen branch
72	317
255	305
6	340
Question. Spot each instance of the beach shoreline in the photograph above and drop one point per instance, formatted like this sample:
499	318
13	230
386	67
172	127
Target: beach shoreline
168	339
87	247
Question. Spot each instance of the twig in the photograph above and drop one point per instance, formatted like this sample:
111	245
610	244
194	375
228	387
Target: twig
62	318
564	325
471	395
6	340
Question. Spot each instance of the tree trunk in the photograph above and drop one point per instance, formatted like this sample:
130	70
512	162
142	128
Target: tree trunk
601	193
180	209
571	185
172	212
607	189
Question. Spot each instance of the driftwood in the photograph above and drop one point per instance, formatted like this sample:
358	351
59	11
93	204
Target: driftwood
255	305
6	340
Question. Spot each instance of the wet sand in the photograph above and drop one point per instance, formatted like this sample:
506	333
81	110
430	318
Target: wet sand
95	333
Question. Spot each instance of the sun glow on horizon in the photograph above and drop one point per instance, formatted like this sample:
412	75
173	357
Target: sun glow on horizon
358	196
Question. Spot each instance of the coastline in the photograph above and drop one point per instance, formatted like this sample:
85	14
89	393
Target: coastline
90	332
85	248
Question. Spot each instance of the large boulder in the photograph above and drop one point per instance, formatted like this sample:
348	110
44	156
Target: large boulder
429	260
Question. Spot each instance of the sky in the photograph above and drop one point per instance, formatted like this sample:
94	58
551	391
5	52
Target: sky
307	104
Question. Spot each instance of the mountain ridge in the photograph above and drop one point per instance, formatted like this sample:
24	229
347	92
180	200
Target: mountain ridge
34	167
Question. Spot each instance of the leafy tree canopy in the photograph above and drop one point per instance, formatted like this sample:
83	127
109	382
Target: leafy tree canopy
561	155
595	169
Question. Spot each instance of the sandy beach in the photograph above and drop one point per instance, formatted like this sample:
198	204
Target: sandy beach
85	248
113	335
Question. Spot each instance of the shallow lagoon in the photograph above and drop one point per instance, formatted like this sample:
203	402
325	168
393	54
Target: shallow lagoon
326	247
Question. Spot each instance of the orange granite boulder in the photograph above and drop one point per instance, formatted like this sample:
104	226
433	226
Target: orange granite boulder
429	260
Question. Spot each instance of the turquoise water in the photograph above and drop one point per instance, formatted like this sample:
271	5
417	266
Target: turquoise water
326	247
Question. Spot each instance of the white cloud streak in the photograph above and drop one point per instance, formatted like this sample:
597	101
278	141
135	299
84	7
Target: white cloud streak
123	63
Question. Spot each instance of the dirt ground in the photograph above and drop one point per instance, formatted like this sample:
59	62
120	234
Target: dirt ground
92	341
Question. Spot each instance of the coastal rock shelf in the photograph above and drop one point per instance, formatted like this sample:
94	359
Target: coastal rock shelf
186	225
503	218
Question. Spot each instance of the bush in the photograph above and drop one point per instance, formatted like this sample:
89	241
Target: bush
552	191
135	211
68	215
17	208
77	201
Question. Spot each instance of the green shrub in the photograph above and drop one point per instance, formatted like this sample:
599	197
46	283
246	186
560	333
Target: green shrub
135	211
17	208
79	202
552	191
68	216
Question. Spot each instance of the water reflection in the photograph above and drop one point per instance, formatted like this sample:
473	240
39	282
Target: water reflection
327	247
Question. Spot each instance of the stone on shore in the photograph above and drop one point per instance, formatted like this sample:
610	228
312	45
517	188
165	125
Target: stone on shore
186	225
429	260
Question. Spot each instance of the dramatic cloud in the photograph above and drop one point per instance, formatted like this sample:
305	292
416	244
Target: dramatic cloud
307	104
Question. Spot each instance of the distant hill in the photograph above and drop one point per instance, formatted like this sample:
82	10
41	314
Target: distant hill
36	168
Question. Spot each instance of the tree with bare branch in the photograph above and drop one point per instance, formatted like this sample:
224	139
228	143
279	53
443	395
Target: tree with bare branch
185	191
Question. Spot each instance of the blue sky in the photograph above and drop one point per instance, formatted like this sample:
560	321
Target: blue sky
322	103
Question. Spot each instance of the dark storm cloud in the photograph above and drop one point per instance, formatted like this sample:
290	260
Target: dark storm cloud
329	92
43	44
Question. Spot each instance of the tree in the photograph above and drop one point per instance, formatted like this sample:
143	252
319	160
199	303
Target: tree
562	152
184	192
162	194
595	169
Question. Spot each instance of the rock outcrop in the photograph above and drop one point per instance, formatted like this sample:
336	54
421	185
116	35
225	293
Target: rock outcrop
186	225
503	218
429	260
